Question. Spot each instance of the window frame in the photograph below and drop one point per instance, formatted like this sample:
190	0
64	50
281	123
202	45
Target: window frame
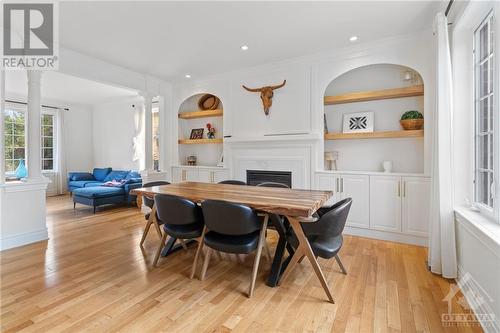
44	111
491	212
17	108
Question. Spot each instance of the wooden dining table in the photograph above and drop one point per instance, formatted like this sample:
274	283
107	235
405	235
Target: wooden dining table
298	206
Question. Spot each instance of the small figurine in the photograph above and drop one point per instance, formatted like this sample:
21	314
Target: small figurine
211	131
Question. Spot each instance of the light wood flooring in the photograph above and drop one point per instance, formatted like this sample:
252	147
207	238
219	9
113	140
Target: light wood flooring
92	276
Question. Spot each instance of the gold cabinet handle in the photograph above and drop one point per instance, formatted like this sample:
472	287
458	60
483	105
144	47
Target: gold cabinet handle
212	176
337	185
404	189
183	177
342	183
399	188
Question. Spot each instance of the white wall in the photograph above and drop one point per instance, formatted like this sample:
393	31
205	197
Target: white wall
298	106
115	125
407	154
78	138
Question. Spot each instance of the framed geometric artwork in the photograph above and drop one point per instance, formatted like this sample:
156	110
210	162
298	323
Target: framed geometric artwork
361	122
196	133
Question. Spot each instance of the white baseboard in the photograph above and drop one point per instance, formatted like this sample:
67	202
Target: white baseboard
387	236
10	242
471	287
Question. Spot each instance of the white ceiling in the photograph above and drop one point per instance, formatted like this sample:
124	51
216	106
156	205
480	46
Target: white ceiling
65	88
170	39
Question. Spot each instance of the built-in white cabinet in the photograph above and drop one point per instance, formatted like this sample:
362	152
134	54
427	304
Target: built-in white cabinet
199	174
385	199
400	204
383	204
349	186
415	213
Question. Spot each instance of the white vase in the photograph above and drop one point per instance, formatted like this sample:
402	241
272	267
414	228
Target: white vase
387	166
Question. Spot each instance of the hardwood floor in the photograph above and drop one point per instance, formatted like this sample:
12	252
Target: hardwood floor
93	276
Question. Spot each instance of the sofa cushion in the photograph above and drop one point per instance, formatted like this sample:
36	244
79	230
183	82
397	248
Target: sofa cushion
133	177
98	192
83	183
93	184
116	175
81	176
101	173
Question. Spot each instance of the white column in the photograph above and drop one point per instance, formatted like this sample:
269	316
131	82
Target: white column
148	131
34	130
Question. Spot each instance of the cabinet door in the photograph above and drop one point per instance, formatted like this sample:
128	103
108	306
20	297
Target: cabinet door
189	175
329	182
176	175
357	187
385	203
220	175
416	194
205	175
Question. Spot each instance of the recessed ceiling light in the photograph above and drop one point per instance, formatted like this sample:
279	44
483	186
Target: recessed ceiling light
353	38
244	47
187	76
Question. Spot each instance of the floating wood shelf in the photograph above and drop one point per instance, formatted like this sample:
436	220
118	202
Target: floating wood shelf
373	95
198	141
375	135
201	114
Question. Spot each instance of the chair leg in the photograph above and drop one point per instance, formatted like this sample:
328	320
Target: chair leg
197	255
74	205
162	244
145	232
340	264
94	209
205	263
262	240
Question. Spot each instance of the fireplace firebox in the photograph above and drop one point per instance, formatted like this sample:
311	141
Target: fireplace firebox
256	177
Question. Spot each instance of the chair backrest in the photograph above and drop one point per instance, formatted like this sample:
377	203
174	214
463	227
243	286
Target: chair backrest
232	182
229	218
331	223
272	184
147	201
176	210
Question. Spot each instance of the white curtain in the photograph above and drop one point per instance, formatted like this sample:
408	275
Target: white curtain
61	153
442	250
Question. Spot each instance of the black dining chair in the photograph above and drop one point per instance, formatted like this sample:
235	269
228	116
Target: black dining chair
232	182
149	202
232	228
181	219
325	235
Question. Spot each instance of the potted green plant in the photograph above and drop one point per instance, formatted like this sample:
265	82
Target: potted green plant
412	120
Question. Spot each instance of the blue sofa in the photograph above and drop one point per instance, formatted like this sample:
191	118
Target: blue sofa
88	188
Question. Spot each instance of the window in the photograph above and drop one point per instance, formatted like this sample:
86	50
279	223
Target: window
47	142
485	117
156	138
16	138
15	129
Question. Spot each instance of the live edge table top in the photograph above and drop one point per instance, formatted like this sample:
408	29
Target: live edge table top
282	201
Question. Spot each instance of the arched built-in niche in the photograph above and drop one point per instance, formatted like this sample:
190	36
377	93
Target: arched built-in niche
207	151
366	89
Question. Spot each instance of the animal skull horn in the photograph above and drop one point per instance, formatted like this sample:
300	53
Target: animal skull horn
266	94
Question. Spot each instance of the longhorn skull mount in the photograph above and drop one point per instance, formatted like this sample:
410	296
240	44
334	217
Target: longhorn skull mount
266	95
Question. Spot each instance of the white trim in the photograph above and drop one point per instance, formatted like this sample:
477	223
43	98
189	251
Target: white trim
387	236
23	239
24	186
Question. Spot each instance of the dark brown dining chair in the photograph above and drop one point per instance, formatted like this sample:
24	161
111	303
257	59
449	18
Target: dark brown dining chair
149	202
181	219
231	228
